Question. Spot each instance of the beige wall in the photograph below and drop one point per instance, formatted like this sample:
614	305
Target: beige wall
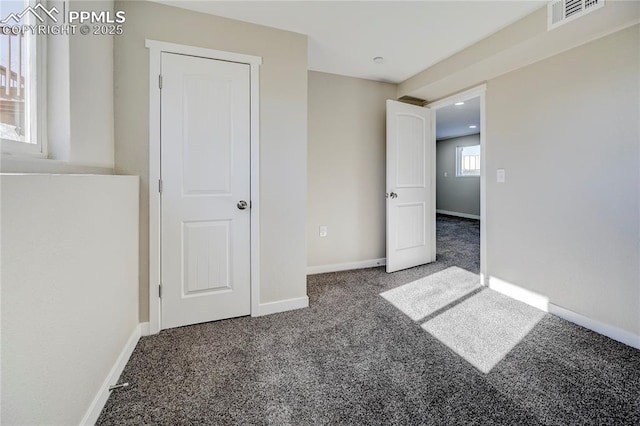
91	93
566	224
283	129
346	166
456	194
520	44
69	291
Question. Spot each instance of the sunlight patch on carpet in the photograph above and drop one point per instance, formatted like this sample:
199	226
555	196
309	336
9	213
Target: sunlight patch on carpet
423	297
484	328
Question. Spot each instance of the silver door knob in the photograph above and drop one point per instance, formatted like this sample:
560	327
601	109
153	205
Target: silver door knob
391	195
242	204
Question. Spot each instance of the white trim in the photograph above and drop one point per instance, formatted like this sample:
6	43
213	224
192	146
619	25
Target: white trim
154	195
36	100
483	182
518	293
255	185
94	410
478	91
434	177
610	331
162	46
542	302
144	329
282	306
370	263
465	215
155	50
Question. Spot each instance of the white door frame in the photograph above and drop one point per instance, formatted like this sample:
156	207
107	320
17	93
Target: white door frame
478	91
156	48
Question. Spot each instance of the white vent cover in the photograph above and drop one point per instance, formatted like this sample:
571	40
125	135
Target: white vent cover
560	12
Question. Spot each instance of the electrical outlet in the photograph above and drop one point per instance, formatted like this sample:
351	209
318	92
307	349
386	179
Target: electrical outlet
323	231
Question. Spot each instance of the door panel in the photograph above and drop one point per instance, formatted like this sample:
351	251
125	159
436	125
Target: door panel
410	164
205	169
412	219
206	254
207	118
410	193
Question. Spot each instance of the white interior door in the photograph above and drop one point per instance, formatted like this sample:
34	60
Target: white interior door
410	190
205	169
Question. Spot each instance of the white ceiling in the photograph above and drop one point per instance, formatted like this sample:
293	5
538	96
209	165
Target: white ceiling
345	36
454	120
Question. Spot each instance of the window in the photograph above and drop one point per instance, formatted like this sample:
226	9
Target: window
468	160
22	76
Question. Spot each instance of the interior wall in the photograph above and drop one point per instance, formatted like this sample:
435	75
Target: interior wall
69	290
91	92
58	95
79	113
456	194
566	223
283	129
346	166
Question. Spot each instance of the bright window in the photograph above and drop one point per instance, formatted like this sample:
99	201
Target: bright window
468	160
21	84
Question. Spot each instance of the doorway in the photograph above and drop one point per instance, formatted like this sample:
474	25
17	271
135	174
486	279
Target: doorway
458	159
203	147
459	132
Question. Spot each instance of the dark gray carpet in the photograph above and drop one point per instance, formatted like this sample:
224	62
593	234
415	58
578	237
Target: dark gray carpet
354	358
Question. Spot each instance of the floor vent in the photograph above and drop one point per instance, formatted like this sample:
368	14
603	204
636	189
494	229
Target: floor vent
560	12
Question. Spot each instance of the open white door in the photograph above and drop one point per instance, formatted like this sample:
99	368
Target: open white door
205	168
410	194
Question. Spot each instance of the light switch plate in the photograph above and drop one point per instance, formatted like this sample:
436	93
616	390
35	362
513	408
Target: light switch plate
500	176
323	231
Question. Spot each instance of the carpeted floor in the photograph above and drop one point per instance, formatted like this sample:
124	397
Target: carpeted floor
353	357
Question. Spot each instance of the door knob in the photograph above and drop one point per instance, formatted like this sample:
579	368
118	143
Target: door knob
242	204
391	195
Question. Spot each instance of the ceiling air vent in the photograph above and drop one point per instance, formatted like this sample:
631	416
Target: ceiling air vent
562	11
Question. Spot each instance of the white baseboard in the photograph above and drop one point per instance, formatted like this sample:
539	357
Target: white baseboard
465	215
610	331
321	269
283	306
542	302
92	414
522	294
144	329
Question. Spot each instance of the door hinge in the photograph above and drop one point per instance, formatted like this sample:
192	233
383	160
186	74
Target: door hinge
160	291
160	186
160	81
